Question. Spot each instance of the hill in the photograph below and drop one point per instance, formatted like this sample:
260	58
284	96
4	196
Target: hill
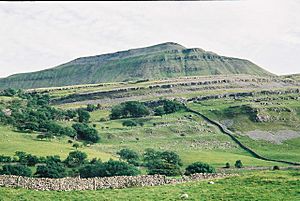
160	61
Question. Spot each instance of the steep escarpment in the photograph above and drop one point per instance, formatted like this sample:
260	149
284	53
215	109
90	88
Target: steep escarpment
161	61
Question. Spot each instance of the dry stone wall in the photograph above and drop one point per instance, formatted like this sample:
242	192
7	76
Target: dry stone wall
71	183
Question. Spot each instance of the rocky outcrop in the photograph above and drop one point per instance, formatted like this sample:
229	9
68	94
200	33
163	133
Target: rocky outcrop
70	183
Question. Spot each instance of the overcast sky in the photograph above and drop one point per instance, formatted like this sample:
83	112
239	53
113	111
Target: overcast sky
35	36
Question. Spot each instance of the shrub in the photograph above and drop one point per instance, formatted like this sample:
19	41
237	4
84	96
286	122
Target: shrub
76	145
130	156
19	170
167	162
199	167
171	106
276	167
227	165
129	109
53	168
84	132
91	107
238	164
83	116
75	159
108	169
130	123
5	159
159	111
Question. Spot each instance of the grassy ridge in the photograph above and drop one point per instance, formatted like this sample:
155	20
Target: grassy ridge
162	61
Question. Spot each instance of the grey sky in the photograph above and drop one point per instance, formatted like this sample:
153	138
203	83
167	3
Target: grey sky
35	36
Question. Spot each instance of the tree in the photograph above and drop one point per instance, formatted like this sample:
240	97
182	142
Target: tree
5	159
159	111
9	92
84	132
75	159
227	165
32	160
76	145
130	156
166	163
129	109
19	170
238	164
54	168
83	116
199	167
91	107
171	106
109	169
129	122
22	157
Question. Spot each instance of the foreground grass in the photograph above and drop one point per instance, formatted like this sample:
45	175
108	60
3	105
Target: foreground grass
262	185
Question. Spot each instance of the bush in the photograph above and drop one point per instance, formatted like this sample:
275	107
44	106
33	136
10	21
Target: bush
130	156
108	169
5	159
129	109
227	165
83	116
75	159
76	145
84	132
130	123
167	162
238	164
19	170
171	106
91	107
276	167
159	111
199	167
53	168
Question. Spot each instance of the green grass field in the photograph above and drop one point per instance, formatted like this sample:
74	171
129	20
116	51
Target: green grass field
260	185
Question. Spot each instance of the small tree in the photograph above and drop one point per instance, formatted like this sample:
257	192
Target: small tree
19	170
76	145
159	111
108	169
166	163
54	168
91	107
227	165
238	164
83	116
75	159
130	123
84	132
130	156
199	167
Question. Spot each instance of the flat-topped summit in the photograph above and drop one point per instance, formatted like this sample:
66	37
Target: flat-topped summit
159	61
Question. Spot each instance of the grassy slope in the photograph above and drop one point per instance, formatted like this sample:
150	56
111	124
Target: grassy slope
266	185
15	141
240	123
136	66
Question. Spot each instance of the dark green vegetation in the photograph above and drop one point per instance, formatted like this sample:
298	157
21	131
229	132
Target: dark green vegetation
261	185
75	164
156	62
199	167
33	113
155	162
